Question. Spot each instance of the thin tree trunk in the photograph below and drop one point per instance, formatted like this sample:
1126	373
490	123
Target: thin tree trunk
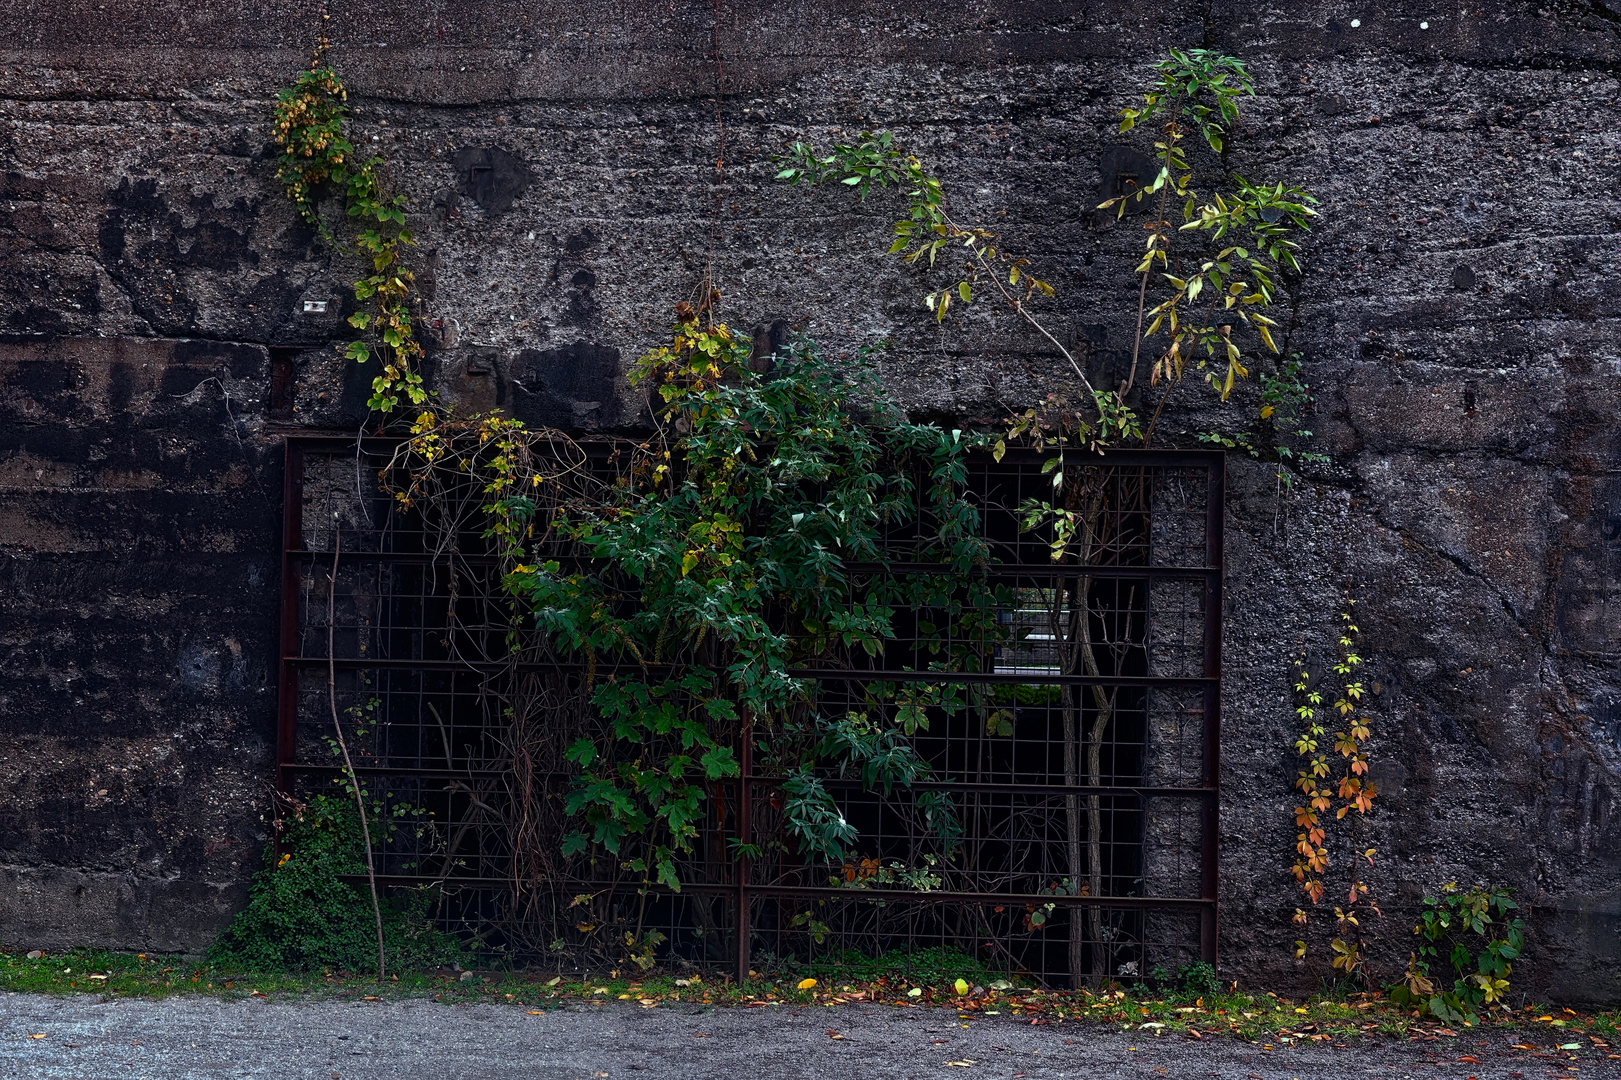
1072	778
1079	656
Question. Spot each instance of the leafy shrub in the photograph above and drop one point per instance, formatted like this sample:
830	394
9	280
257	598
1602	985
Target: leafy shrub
301	916
1452	928
1198	978
1191	980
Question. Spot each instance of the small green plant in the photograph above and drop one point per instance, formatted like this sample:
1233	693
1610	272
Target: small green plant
1280	436
300	916
1198	978
1470	936
869	873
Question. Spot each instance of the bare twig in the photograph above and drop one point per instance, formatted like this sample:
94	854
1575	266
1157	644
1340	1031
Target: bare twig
343	745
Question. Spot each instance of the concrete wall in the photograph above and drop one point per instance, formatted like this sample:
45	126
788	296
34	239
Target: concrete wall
1458	319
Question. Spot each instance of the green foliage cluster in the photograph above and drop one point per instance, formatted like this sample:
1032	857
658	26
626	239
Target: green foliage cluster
301	917
308	126
1471	937
1189	980
1279	435
724	563
1197	94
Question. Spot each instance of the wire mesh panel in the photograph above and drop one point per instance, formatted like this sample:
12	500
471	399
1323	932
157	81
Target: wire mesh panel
1057	820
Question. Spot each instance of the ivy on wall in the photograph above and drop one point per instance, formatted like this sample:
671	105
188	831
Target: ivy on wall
316	156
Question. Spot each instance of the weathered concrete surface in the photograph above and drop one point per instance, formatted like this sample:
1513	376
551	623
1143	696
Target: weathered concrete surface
197	1038
1458	320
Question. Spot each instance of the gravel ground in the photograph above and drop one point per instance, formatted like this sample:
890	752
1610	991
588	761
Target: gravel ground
407	1040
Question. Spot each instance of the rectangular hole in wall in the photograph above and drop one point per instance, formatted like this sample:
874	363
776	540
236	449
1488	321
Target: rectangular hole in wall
282	382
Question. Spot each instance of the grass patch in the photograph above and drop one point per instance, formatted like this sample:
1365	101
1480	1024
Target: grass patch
924	979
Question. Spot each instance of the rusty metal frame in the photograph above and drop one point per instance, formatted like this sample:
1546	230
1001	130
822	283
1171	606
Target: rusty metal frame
1206	793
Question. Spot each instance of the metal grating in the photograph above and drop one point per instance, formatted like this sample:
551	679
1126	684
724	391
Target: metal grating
1043	843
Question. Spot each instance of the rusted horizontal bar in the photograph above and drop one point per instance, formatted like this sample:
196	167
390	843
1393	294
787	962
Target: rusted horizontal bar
1015	789
821	674
778	781
335	442
421	774
995	570
1126	903
387	444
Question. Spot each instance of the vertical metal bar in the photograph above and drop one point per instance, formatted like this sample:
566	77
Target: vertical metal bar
292	539
745	833
1210	870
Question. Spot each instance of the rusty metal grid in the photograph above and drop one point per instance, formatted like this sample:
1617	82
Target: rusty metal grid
424	637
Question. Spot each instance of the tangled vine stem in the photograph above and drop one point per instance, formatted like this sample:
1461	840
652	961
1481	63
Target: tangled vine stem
343	744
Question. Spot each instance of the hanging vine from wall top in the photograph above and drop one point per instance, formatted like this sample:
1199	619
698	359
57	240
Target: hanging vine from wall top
308	126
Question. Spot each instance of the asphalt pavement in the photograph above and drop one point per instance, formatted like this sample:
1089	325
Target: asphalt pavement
195	1038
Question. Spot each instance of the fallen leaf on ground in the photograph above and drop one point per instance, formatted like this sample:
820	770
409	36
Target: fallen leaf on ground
964	1063
1471	1059
39	1036
833	1034
806	984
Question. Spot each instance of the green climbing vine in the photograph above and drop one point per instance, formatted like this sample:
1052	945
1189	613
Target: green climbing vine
1350	793
316	156
1197	94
